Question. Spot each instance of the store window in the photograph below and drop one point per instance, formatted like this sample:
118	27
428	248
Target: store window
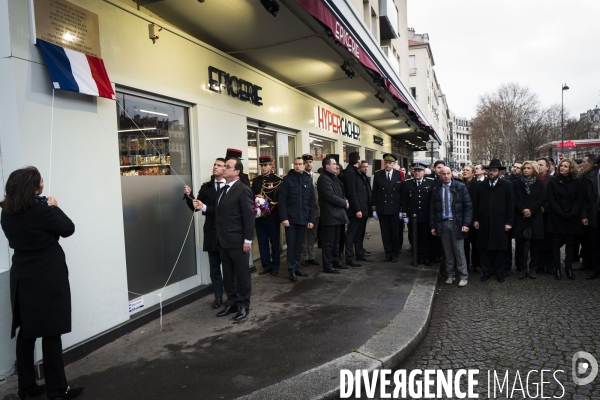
154	156
320	147
279	146
348	148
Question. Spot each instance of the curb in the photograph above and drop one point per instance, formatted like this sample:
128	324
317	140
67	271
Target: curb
386	349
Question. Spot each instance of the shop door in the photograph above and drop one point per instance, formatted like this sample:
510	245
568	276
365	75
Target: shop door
154	155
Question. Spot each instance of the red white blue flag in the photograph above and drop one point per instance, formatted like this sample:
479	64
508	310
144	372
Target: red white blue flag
75	71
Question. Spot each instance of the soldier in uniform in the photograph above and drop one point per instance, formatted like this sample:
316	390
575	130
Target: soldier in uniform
387	206
416	198
310	235
267	228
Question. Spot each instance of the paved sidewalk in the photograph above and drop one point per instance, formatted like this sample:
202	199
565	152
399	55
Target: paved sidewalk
292	328
516	325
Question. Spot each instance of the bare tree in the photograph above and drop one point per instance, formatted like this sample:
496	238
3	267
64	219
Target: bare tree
498	123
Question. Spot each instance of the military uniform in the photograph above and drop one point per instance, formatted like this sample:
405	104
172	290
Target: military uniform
267	228
416	198
387	206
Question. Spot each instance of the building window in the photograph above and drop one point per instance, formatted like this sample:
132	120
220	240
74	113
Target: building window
413	92
348	148
320	147
154	143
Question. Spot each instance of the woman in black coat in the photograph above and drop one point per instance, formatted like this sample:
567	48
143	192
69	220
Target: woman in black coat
39	284
565	197
530	197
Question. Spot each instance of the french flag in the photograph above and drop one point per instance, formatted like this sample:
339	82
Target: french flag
75	71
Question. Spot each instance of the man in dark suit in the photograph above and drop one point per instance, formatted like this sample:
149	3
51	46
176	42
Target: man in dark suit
207	197
387	207
235	231
416	198
267	227
333	215
493	216
355	187
364	168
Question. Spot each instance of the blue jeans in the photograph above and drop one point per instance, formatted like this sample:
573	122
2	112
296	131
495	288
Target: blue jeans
269	256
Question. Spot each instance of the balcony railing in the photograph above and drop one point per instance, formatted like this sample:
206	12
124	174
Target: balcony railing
412	71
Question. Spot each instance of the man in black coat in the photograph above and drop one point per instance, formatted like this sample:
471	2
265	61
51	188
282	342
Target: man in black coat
364	168
235	231
333	215
450	215
207	195
355	186
493	216
267	228
297	213
387	206
471	250
590	215
310	234
416	198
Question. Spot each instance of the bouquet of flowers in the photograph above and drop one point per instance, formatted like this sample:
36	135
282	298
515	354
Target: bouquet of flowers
261	206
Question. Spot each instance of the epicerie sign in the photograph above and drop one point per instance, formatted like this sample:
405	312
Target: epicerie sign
334	123
463	383
346	39
235	87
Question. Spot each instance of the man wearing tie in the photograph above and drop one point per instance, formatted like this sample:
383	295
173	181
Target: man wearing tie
207	200
235	231
493	216
387	207
310	234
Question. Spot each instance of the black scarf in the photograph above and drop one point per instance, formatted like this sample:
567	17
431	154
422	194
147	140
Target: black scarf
41	199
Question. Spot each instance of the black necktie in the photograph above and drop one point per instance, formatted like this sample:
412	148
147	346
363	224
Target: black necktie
389	176
418	183
219	186
225	189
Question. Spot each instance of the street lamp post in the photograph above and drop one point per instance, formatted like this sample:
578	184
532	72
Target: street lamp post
562	118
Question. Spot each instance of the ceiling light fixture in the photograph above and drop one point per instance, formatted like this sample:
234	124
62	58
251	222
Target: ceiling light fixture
380	97
271	6
348	70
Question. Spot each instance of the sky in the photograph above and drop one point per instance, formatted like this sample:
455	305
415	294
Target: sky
478	45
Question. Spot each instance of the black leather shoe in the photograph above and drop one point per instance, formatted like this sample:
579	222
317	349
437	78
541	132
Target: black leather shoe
293	276
387	260
557	274
312	262
500	278
274	272
570	274
485	278
217	303
69	394
228	310
593	275
365	259
299	272
32	391
353	263
330	270
476	269
394	260
367	252
305	263
583	267
242	314
264	272
341	266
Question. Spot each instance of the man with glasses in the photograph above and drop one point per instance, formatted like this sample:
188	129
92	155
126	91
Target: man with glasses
207	200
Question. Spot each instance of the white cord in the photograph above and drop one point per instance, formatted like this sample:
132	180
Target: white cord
51	135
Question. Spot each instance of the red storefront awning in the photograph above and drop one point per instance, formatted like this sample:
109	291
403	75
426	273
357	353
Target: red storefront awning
321	12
